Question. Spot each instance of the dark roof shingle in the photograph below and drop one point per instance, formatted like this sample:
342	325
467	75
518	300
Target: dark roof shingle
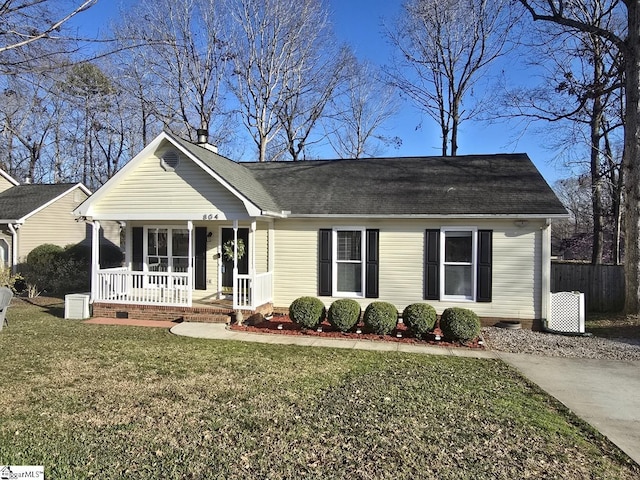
506	184
19	201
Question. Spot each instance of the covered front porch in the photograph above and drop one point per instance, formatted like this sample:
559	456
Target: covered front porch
192	264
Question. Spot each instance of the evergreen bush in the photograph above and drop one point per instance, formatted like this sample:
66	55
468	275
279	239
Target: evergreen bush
420	318
308	312
460	324
344	314
381	317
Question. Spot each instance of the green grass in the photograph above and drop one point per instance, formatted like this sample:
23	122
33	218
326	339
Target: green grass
92	401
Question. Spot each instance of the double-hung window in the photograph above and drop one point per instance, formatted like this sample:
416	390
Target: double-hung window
167	249
348	245
348	262
458	263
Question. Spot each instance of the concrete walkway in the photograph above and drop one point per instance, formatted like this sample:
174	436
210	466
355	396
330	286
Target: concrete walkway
219	331
604	393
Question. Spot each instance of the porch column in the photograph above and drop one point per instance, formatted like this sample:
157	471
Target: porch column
190	265
95	259
546	271
270	247
252	249
235	260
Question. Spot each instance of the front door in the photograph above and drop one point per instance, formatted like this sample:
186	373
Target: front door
227	261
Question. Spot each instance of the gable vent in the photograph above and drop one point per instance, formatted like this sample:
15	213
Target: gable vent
170	160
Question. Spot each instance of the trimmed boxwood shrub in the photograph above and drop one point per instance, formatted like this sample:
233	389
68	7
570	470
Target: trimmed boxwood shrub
381	317
344	314
420	318
308	312
460	324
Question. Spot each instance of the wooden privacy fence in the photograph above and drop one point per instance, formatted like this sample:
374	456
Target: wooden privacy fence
602	285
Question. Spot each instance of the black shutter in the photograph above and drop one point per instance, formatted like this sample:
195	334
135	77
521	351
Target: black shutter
137	239
201	258
325	288
432	264
485	254
372	265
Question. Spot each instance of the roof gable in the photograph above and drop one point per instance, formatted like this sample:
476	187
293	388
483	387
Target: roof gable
22	201
237	180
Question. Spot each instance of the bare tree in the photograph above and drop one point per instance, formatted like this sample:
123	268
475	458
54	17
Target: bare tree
28	116
311	84
274	45
183	61
580	93
568	15
356	126
27	24
575	195
445	46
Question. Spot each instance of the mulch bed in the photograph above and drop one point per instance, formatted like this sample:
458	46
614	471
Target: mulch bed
282	325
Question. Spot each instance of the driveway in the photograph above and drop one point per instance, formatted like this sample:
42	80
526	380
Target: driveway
605	393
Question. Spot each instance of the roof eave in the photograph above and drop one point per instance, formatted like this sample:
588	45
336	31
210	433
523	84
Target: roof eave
505	216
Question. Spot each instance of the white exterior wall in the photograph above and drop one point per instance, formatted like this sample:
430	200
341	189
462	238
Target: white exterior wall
54	224
187	191
516	264
262	247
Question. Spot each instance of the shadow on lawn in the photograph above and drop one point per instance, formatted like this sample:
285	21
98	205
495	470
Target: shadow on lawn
52	305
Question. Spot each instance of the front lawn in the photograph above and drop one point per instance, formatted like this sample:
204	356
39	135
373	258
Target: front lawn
93	401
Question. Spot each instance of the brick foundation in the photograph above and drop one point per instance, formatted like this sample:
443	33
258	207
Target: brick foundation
172	314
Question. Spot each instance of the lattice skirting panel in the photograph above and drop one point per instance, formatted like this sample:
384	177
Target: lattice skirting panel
567	312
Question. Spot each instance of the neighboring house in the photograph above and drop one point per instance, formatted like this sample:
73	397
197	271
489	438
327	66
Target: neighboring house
471	231
34	214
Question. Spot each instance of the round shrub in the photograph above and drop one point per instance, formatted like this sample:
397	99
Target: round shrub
420	318
381	317
41	268
44	255
344	314
460	324
308	312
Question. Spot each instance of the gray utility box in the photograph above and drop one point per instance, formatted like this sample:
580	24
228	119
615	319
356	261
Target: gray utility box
76	306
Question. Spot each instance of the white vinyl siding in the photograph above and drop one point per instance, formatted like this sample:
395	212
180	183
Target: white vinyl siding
516	264
54	224
5	184
150	189
262	247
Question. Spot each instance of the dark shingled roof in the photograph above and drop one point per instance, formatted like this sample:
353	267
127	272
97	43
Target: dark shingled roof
506	184
21	200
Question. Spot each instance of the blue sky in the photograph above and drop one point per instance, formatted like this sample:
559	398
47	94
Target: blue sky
359	23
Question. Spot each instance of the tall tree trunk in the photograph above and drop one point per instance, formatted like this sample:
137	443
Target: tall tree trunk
631	160
455	117
596	175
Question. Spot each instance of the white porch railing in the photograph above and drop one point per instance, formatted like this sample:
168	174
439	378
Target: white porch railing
119	285
252	291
